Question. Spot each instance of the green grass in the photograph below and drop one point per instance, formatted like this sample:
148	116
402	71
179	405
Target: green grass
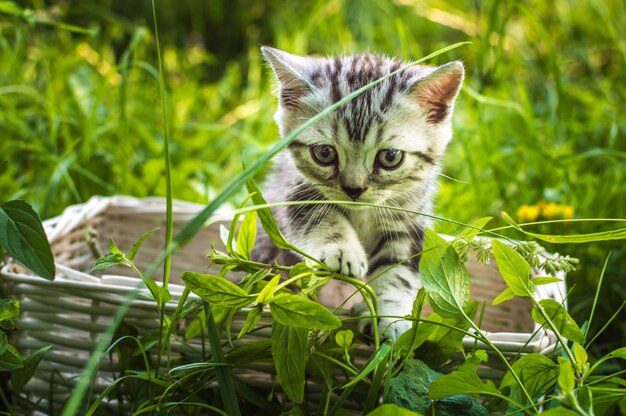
541	117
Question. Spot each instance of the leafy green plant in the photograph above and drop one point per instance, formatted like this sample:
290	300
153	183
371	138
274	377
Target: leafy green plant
310	342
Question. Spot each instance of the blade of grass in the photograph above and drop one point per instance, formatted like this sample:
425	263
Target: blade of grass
167	263
168	164
607	324
595	299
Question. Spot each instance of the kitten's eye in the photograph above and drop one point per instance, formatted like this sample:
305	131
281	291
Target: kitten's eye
324	154
390	159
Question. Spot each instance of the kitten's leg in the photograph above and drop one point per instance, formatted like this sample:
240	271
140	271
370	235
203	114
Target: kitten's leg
326	234
395	285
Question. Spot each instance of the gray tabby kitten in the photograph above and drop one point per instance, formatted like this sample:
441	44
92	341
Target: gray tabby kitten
383	147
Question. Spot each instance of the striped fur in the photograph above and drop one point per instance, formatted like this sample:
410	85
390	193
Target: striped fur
410	113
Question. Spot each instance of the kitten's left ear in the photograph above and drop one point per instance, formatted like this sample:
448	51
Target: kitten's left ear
437	91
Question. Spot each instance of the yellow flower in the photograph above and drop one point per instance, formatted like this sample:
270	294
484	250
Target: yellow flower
552	210
568	212
528	213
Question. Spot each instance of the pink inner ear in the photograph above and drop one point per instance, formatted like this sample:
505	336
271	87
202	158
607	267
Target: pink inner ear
437	92
291	88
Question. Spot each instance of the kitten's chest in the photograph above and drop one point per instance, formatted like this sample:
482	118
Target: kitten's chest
367	225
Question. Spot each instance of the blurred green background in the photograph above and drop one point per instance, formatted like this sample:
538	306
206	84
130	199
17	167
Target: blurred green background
540	127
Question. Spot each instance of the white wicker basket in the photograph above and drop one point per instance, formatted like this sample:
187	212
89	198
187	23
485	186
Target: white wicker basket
71	312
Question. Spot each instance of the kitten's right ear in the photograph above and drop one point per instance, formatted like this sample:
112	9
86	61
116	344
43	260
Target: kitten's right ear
290	72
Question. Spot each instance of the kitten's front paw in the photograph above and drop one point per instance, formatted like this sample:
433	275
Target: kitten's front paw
392	323
349	261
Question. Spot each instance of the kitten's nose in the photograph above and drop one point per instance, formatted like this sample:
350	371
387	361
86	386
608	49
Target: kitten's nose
353	193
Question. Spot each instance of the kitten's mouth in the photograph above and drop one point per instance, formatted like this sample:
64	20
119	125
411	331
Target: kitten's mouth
352	203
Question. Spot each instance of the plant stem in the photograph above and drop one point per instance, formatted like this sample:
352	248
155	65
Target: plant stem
337	362
175	317
291	280
370	302
495	349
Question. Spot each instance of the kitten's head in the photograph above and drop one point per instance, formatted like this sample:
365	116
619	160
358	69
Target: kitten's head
386	141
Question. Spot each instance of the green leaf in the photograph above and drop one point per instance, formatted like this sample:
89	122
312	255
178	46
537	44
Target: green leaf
410	388
567	380
253	318
24	238
390	409
444	278
109	260
476	228
344	338
114	257
300	268
536	371
481	355
21	376
544	280
618	353
3	167
321	368
11	360
561	320
268	291
247	235
585	399
289	346
113	247
513	267
461	382
267	218
251	280
418	305
9	312
618	234
379	356
189	369
217	290
297	311
133	250
506	294
196	327
434	249
436	341
580	354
